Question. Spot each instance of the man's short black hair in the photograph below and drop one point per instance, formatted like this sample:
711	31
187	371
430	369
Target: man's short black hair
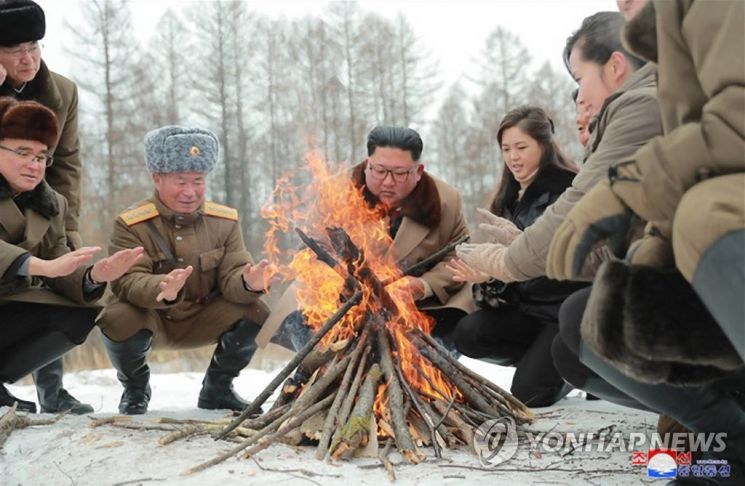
397	137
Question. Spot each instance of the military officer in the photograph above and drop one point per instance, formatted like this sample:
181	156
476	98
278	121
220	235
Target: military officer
197	283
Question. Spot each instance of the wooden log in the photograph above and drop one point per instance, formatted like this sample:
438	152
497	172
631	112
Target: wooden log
353	434
383	456
405	445
420	267
331	418
7	424
291	425
520	411
262	421
465	431
289	367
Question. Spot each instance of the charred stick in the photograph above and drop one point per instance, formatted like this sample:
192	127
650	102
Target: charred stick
326	258
354	432
447	410
405	444
435	258
419	406
354	258
293	423
521	410
265	419
289	367
330	423
451	416
312	394
471	393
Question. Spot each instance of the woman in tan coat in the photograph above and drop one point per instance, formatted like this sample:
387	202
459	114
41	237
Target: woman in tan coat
44	288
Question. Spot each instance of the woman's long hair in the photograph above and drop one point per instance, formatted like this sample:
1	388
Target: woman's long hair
538	126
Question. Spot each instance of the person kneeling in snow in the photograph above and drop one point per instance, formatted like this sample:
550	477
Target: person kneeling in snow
45	292
197	284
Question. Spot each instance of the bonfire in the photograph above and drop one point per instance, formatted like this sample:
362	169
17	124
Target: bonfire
371	373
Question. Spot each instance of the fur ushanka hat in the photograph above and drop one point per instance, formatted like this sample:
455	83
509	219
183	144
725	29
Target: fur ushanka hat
28	120
180	149
20	21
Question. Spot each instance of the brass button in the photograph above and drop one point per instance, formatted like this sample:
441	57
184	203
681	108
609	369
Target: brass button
178	226
180	260
178	238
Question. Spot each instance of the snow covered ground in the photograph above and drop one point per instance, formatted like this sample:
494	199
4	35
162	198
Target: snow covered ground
71	452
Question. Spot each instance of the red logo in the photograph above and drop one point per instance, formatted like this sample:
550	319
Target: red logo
684	458
638	458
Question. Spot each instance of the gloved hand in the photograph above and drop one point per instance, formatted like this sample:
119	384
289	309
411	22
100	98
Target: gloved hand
502	230
601	214
486	257
74	240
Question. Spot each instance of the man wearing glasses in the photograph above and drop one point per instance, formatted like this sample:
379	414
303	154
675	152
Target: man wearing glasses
424	214
24	76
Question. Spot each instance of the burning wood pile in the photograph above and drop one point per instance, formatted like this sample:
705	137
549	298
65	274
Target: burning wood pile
371	369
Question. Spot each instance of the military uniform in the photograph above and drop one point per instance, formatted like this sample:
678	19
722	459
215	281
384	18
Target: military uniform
214	296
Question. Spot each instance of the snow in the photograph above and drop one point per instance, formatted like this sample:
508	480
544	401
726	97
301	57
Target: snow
72	452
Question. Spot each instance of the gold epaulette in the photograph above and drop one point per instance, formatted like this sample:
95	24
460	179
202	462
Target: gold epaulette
220	211
139	214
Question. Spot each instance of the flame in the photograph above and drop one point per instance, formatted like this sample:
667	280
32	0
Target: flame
330	199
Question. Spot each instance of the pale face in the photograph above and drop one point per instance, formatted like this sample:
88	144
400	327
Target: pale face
583	122
23	173
595	82
21	62
520	152
387	188
181	192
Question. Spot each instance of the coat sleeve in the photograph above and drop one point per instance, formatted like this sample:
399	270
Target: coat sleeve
714	37
633	120
71	286
66	172
230	273
438	277
139	286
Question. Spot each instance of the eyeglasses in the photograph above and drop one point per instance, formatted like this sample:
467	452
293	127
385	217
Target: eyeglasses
43	159
19	52
380	173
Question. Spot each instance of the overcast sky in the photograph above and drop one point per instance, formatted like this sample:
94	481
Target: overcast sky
453	30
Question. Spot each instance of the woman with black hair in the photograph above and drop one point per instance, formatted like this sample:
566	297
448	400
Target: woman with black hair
517	322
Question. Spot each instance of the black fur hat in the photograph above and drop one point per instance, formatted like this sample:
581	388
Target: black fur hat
28	120
20	21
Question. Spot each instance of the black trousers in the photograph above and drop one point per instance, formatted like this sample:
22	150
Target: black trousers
509	337
22	321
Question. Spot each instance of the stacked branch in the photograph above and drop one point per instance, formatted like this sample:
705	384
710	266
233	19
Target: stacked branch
341	394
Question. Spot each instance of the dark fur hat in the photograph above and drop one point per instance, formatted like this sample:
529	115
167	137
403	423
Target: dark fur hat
28	120
20	21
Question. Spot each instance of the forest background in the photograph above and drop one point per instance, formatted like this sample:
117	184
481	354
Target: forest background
273	88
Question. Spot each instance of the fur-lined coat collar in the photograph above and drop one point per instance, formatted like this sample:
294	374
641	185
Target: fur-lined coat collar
422	205
42	89
41	199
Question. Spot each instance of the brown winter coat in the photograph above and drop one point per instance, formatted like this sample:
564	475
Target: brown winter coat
433	217
701	92
628	119
59	94
38	230
209	240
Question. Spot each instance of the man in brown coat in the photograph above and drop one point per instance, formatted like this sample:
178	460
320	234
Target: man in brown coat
24	76
197	283
424	214
45	292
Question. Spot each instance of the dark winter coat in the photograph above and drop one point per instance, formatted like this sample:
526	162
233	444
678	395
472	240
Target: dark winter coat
540	297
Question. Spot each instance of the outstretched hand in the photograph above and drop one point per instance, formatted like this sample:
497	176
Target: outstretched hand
116	265
63	265
259	277
501	230
172	283
463	272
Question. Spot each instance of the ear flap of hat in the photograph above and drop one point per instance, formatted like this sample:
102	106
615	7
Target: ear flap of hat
20	21
28	120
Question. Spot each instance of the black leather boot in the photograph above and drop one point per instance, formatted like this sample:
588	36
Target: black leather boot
129	359
53	398
233	352
7	400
